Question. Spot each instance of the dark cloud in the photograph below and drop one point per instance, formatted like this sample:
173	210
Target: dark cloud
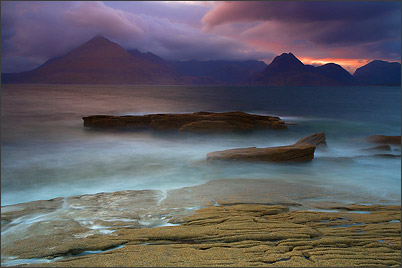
298	11
38	31
358	28
33	32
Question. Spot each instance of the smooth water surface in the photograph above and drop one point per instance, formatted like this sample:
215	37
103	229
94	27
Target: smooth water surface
47	153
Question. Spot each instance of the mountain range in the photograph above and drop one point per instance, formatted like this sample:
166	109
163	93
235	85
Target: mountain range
101	61
287	70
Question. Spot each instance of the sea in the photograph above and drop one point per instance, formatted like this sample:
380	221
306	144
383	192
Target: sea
46	152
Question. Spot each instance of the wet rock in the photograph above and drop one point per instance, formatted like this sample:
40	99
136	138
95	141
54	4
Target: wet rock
301	151
384	147
63	226
382	139
291	153
205	126
316	139
223	223
203	122
379	155
250	235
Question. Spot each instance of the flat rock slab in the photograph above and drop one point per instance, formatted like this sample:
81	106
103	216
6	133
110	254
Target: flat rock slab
200	122
224	222
248	235
68	227
301	151
382	139
316	139
291	153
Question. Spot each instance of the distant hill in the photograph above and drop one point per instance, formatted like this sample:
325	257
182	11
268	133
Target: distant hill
379	72
336	73
287	70
219	71
100	61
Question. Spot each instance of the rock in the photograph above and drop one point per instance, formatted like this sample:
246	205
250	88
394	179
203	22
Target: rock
201	122
210	125
384	147
255	223
249	235
301	151
291	153
316	139
382	139
382	155
278	125
109	121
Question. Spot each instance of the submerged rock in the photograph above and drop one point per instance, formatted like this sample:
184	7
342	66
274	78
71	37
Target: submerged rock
382	139
384	147
301	151
202	122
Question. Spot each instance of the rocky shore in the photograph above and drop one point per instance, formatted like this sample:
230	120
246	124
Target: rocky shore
225	222
236	222
200	122
259	235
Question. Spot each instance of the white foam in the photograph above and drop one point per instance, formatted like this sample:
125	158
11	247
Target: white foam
163	197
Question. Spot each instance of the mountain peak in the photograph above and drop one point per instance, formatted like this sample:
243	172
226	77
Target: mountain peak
289	56
286	61
99	46
379	72
99	40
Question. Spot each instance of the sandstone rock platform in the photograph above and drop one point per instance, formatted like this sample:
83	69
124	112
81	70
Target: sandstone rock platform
301	151
199	122
249	235
227	222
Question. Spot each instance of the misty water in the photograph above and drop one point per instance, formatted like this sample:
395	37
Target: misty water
47	153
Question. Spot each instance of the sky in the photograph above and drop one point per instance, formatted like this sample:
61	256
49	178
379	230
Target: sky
350	33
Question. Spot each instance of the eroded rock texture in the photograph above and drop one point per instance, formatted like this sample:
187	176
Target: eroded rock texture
200	122
302	151
259	235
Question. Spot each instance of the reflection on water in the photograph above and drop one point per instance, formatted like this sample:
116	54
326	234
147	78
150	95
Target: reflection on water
47	153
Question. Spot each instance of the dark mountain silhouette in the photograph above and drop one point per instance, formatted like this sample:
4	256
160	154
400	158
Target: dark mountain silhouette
379	72
287	70
219	71
99	61
336	72
148	56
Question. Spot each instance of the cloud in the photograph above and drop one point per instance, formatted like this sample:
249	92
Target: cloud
297	11
33	32
38	31
99	18
312	28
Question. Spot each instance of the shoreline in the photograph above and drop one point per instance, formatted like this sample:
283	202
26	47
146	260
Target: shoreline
92	227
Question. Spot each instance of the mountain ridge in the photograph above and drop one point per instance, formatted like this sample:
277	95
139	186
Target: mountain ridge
101	61
379	72
287	70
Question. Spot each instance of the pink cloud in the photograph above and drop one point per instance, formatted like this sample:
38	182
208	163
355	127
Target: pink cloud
312	29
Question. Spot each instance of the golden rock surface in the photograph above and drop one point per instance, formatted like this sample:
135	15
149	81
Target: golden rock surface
259	235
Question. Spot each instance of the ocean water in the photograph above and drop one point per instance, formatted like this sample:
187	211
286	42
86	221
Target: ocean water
46	152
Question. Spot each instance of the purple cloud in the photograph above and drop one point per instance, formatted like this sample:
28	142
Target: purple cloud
38	31
314	28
